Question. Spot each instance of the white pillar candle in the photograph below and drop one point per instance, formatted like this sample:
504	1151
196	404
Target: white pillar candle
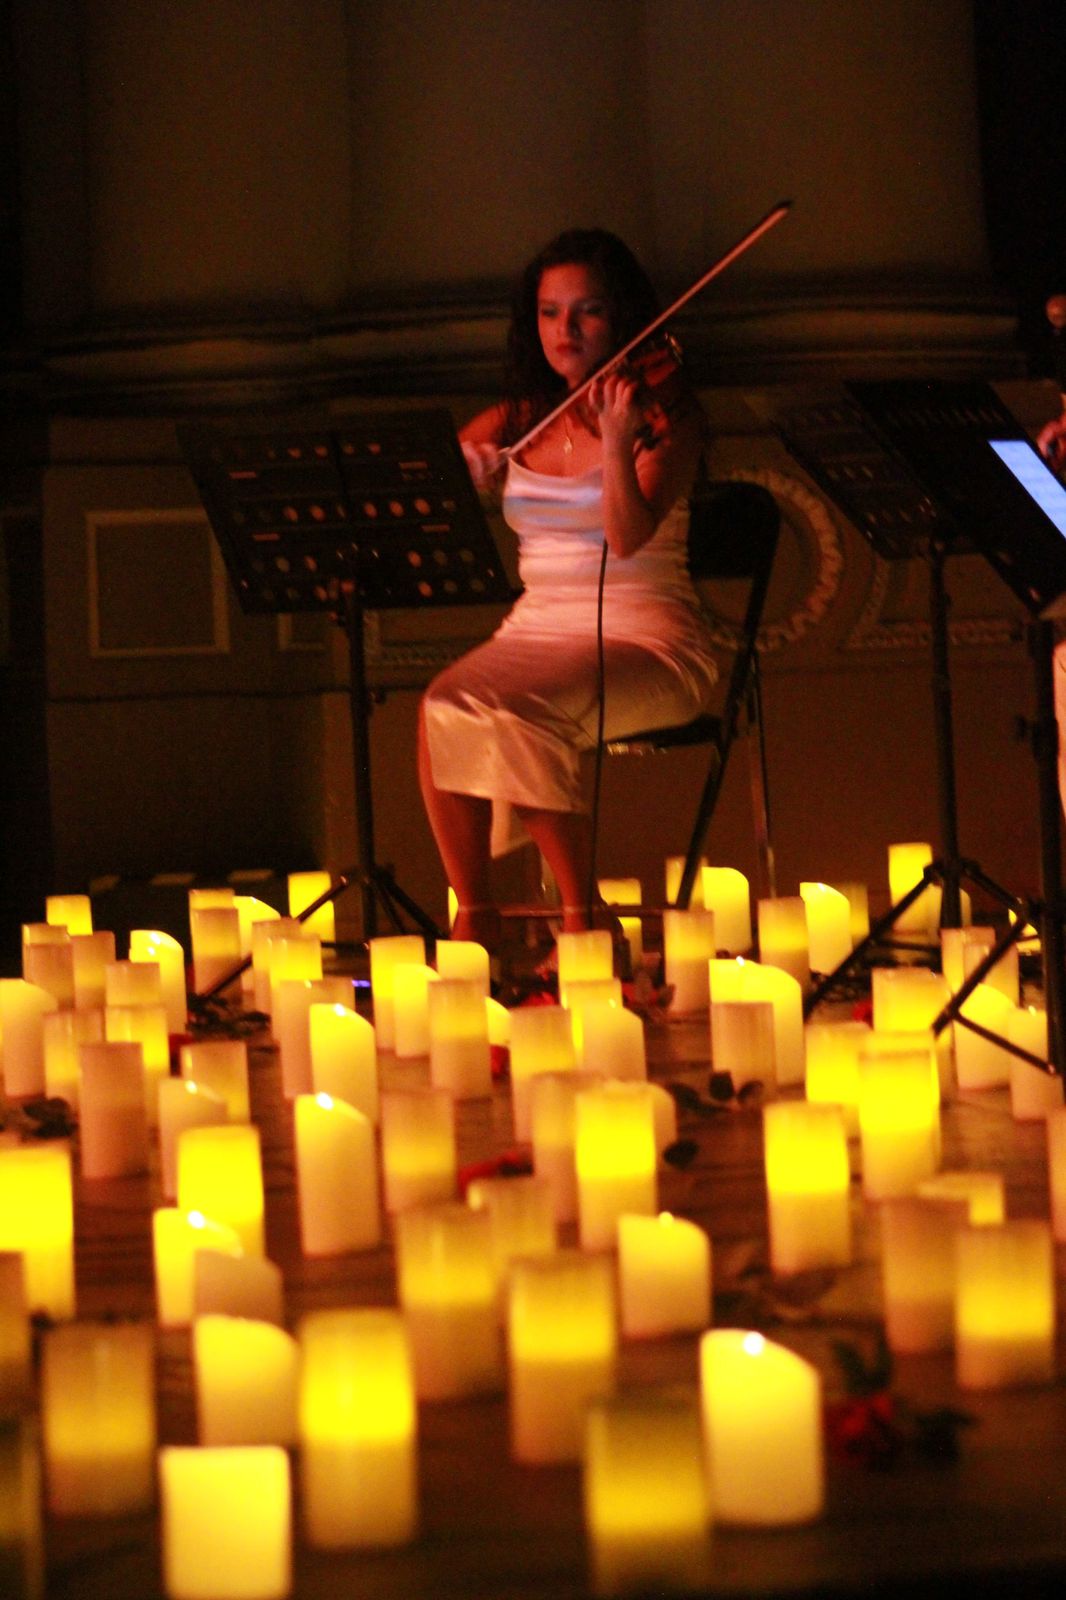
1033	1093
832	1070
177	1237
216	944
963	949
237	1285
592	992
584	956
1005	1306
542	1040
358	1422
727	894
459	1058
246	1380
410	1009
980	1063
858	897
899	1121
750	980
162	950
51	967
828	926
783	939
291	961
37	1220
220	1065
983	1194
446	1282
98	1418
689	942
499	1020
906	864
1056	1163
909	1000
553	1129
633	931
227	1522
292	1002
610	1039
674	867
17	1388
387	953
90	956
521	1222
562	1347
133	983
664	1276
640	1539
808	1186
250	912
762	1413
344	1057
336	1177
918	1272
114	1112
418	1154
463	959
304	889
743	1043
264	932
183	1104
620	891
146	1026
220	896
71	911
220	1173
22	1010
614	1154
63	1032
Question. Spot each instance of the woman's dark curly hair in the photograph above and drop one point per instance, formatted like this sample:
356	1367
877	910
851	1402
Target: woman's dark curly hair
532	389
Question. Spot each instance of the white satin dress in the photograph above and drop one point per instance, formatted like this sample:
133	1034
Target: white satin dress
511	720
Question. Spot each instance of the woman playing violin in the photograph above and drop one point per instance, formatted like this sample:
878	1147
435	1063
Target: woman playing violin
503	730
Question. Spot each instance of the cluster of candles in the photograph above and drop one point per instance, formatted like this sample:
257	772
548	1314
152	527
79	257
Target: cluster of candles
488	1297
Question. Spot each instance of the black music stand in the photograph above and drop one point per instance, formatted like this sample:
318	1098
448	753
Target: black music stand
348	515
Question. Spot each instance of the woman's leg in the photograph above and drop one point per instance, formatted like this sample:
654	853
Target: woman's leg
461	825
564	838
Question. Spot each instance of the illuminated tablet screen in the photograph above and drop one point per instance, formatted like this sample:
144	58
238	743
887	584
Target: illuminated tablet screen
1035	477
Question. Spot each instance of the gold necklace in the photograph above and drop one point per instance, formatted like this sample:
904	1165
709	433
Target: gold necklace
568	442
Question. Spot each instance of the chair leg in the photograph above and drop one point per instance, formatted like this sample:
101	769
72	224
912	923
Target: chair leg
708	801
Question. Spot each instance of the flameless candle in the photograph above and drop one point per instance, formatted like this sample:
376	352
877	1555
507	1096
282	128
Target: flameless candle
295	960
358	1421
620	891
858	897
828	926
51	967
292	1002
98	1418
980	1063
146	1026
446	1279
220	1065
899	1120
982	1192
344	1057
219	897
304	889
499	1022
386	954
16	1372
177	1236
664	1276
227	1522
674	869
183	1104
742	1041
807	1183
133	983
465	960
90	956
591	992
37	1219
216	944
459	1058
783	939
22	1575
964	948
610	1039
22	1011
584	957
908	1000
220	1173
918	1272
542	1040
906	864
71	911
553	1124
246	1378
1033	1093
727	895
633	932
418	1155
410	997
63	1032
521	1221
762	1413
162	950
562	1344
614	1154
114	1113
640	1539
337	1177
237	1285
750	980
264	932
250	912
832	1073
688	944
1005	1306
1056	1162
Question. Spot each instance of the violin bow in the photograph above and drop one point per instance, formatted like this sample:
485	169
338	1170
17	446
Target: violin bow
770	220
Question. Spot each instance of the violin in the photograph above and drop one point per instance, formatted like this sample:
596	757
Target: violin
648	357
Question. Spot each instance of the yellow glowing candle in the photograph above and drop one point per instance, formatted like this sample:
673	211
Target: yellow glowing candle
614	1153
63	1032
23	1007
807	1183
640	1539
464	960
237	1285
908	1000
499	1021
727	894
858	897
750	980
337	1177
114	1112
899	1121
304	889
146	1026
762	1413
674	868
22	1574
542	1040
183	1104
51	967
521	1222
410	995
16	1372
828	926
783	939
562	1347
918	1272
292	959
610	1039
386	954
742	1041
98	1418
1033	1093
664	1276
1005	1306
133	983
980	1063
216	944
832	1073
965	948
358	1422
553	1130
591	992
246	1378
982	1192
1056	1163
459	1059
344	1057
620	891
71	911
90	956
37	1219
906	864
418	1155
177	1236
688	944
251	912
220	1173
446	1279
292	1002
220	1065
162	950
264	931
584	957
227	1522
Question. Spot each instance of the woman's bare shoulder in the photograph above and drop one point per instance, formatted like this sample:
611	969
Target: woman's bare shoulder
485	428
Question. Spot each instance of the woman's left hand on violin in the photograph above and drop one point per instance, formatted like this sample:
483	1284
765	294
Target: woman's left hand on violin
615	401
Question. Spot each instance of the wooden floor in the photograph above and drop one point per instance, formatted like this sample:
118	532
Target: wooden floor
995	1519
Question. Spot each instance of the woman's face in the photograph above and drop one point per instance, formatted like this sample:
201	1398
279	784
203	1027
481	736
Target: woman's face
574	321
